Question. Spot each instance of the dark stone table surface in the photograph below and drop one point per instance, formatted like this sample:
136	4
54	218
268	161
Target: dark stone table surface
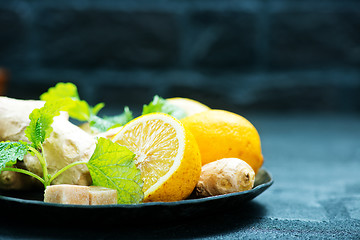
315	162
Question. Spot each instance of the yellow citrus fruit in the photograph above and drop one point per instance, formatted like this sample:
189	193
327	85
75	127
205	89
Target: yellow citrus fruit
222	134
190	106
166	154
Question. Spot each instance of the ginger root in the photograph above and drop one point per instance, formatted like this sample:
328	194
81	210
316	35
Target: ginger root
66	144
224	176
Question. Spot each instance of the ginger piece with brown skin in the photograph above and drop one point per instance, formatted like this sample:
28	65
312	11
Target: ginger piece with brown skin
66	144
10	180
227	175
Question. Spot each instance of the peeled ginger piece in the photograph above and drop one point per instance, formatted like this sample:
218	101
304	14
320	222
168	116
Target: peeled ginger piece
80	195
102	196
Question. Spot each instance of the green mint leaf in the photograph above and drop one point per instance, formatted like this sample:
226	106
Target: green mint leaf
112	166
95	110
80	109
10	152
106	123
42	118
99	124
159	104
61	90
121	119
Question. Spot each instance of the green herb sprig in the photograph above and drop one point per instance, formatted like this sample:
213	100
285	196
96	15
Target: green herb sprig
82	111
158	104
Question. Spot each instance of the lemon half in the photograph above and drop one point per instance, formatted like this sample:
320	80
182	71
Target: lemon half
166	154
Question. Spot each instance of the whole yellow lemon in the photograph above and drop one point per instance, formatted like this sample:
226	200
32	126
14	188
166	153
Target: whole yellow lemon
223	134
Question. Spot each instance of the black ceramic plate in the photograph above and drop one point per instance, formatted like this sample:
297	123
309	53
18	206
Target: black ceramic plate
26	204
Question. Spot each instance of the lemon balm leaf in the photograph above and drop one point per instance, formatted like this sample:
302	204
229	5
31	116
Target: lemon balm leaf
113	166
105	123
10	152
159	104
95	110
80	109
61	90
99	123
121	119
42	118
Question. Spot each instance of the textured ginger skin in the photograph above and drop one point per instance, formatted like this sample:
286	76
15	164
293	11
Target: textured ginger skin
66	144
224	176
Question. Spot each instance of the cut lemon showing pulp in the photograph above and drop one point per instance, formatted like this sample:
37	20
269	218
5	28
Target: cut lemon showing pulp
166	154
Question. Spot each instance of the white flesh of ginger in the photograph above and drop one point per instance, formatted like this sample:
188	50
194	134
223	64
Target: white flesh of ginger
81	195
14	117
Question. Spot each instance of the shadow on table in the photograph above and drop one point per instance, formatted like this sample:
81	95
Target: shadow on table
215	223
219	223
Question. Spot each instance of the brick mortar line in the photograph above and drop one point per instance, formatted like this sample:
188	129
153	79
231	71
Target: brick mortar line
312	6
181	6
262	38
191	78
176	6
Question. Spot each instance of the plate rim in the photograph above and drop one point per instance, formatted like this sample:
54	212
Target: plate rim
264	186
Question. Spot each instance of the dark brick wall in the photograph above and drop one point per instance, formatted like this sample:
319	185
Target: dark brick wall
243	55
